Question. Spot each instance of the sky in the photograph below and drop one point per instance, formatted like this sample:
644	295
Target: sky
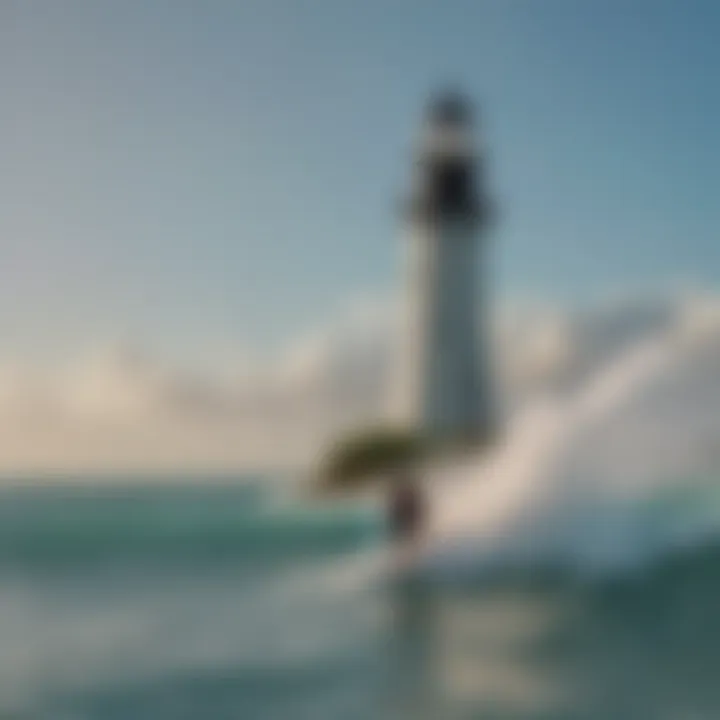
210	179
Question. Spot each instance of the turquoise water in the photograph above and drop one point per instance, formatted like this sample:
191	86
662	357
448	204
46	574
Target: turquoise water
230	600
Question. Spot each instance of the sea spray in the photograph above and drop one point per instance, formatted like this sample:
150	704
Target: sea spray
562	489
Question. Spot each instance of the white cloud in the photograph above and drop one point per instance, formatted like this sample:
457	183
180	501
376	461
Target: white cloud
121	410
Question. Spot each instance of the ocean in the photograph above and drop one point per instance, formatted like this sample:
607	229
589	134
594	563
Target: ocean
232	598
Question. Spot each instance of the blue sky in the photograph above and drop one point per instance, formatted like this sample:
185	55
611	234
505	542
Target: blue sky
202	177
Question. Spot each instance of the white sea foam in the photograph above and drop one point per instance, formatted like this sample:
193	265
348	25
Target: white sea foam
622	468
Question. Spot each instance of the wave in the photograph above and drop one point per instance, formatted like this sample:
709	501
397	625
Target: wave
612	476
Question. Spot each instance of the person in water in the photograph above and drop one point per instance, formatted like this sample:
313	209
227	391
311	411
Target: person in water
406	512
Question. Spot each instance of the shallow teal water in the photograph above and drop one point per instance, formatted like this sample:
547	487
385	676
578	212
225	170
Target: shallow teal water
224	600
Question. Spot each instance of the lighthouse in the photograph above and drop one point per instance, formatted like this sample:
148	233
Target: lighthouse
443	385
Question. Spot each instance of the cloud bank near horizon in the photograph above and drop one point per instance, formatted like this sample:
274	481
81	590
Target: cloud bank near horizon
122	411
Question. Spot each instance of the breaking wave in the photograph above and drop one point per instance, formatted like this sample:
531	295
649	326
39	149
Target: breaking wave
609	475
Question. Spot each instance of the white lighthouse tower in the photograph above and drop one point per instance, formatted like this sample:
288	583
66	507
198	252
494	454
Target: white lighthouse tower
443	383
